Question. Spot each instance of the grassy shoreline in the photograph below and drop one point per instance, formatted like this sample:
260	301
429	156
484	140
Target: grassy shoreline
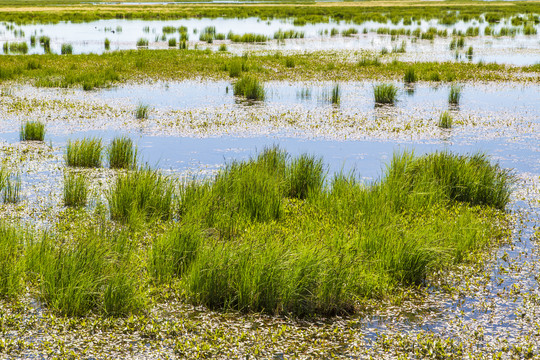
91	71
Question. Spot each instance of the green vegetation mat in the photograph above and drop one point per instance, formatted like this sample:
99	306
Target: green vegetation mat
90	71
271	234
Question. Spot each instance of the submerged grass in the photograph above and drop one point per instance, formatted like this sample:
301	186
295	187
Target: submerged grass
32	131
87	152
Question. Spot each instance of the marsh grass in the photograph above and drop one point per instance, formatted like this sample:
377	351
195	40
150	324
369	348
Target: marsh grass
385	93
94	271
87	152
12	189
445	120
142	111
248	241
11	260
141	194
76	189
32	131
249	87
410	76
172	42
335	96
107	44
66	49
121	153
142	42
454	95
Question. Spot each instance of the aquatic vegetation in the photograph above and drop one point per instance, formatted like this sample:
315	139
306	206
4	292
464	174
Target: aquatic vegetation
142	42
172	42
385	93
95	273
288	34
142	111
75	189
445	120
247	38
335	96
141	194
289	62
11	260
86	152
66	49
454	95
281	277
15	48
45	41
249	87
410	76
12	189
32	131
107	44
121	153
222	47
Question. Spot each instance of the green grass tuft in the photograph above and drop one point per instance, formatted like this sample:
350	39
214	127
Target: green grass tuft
32	131
385	93
410	76
454	95
445	120
141	194
142	111
84	153
122	154
75	189
249	87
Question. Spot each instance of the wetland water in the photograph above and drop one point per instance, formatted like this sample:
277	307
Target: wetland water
517	49
492	308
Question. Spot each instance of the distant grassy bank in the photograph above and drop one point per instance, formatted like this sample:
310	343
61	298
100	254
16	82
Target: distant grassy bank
90	71
357	12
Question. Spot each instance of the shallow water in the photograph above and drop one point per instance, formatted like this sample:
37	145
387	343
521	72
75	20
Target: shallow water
123	35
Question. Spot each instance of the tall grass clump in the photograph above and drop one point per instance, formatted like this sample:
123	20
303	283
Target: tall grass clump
75	189
142	42
335	96
121	153
141	194
93	271
445	120
305	176
236	67
12	190
84	153
385	93
66	49
454	95
32	131
249	87
142	111
12	242
172	42
410	76
173	252
107	44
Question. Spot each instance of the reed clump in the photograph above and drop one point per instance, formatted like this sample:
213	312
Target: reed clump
249	87
385	94
141	194
86	152
121	153
454	95
76	189
446	120
410	76
142	111
32	131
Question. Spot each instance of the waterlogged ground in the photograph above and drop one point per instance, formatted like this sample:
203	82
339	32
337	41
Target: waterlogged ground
516	48
477	311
